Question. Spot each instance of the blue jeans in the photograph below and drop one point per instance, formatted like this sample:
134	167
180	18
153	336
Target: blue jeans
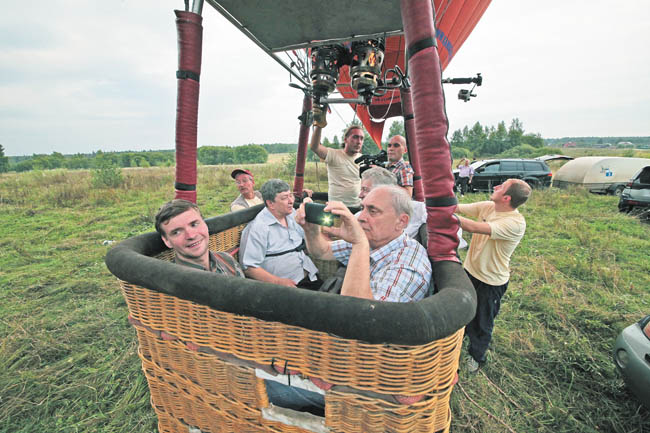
293	398
479	330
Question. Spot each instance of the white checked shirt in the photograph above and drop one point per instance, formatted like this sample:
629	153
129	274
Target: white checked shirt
400	271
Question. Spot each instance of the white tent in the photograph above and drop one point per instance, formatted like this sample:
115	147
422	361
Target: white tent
604	174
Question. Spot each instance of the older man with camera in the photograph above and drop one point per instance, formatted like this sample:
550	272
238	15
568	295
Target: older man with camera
383	263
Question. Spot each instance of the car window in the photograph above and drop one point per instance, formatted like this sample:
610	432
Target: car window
477	164
491	168
511	166
533	166
644	176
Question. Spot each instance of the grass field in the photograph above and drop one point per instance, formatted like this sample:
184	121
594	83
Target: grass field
68	356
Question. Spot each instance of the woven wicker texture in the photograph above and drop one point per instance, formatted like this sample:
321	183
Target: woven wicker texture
192	384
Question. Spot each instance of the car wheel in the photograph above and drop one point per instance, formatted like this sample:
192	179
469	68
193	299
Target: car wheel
619	190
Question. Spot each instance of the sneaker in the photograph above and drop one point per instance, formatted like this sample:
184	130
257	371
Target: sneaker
472	364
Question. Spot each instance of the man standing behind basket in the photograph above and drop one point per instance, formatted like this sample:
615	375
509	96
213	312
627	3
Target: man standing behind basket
181	227
496	233
246	185
396	164
342	172
465	175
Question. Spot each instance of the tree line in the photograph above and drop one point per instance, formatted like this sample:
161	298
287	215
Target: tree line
510	142
164	158
636	142
96	159
4	161
249	153
479	140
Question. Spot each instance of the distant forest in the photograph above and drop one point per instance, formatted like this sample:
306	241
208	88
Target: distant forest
250	153
478	140
616	142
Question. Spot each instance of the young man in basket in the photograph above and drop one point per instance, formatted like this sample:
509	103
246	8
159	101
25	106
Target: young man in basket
182	228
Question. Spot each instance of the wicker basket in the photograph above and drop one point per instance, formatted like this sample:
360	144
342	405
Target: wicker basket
200	366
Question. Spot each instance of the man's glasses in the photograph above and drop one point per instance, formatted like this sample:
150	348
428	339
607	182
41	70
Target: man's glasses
393	145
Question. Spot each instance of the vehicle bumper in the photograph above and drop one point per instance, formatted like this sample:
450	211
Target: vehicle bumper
627	202
632	359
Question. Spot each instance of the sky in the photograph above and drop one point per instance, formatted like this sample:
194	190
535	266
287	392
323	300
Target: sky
80	76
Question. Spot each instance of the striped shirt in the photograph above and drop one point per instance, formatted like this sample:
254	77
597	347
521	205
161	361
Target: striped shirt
403	171
230	267
400	271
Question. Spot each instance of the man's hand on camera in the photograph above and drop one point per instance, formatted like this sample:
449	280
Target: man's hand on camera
320	116
350	229
300	218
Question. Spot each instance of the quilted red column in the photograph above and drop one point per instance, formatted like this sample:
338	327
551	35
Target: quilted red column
190	37
431	128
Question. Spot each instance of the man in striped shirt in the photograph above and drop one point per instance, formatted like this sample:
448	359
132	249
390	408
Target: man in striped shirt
382	262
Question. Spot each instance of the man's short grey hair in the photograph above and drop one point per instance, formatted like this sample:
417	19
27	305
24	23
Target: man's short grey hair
379	176
273	187
400	199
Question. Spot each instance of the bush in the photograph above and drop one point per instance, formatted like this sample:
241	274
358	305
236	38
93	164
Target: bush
629	153
523	151
106	175
290	163
460	152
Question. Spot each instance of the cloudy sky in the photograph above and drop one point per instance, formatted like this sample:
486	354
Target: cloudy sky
80	76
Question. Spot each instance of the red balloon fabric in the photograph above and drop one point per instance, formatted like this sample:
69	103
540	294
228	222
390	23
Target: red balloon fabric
454	21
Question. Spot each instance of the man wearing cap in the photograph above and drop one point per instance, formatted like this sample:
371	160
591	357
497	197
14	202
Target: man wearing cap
246	185
396	164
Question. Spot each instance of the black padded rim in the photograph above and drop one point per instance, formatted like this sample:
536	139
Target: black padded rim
374	322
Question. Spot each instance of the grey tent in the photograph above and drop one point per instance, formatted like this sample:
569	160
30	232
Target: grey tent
600	174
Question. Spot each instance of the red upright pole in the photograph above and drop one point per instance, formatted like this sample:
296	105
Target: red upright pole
431	128
409	130
190	36
301	156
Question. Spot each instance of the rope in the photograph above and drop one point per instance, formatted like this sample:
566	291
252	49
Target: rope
390	104
485	410
439	17
502	392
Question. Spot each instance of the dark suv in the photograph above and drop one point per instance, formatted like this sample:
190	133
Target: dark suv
637	192
491	172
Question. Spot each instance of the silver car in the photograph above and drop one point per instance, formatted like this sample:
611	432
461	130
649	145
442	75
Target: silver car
632	358
636	194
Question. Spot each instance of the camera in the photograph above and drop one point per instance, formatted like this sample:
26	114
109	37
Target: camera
315	214
366	161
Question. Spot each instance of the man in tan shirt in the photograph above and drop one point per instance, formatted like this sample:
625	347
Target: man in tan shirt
342	172
497	230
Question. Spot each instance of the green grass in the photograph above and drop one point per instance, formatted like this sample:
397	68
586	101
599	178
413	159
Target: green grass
68	356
